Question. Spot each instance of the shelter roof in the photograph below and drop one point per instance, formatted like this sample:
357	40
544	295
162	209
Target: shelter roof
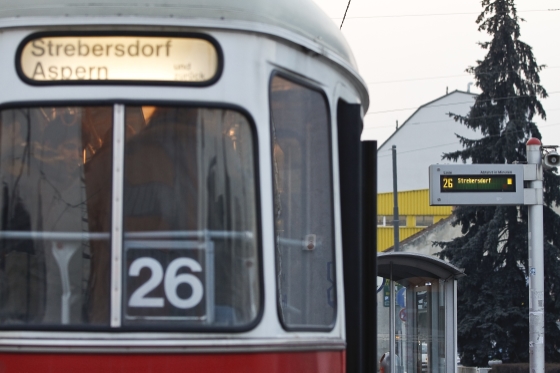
407	265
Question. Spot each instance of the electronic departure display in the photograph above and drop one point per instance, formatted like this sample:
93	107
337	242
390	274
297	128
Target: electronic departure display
477	183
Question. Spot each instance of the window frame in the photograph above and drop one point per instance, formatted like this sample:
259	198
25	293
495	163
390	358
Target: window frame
423	217
304	83
120	239
388	221
383	220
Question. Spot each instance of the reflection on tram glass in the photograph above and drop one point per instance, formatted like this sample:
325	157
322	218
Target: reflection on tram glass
303	207
56	175
189	175
180	216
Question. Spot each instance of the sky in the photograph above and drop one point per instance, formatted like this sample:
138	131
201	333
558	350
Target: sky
410	52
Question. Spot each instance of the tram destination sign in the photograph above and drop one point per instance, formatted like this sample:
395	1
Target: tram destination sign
488	184
44	59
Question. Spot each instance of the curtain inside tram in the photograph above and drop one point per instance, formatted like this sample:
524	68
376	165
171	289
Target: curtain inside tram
190	242
55	214
190	198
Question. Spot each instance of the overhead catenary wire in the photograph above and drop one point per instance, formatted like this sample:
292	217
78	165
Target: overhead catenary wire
447	120
464	75
374	127
455	103
437	77
400	110
450	143
438	14
442	77
346	11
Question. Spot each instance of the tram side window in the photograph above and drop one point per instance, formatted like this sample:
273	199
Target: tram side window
190	219
55	170
303	206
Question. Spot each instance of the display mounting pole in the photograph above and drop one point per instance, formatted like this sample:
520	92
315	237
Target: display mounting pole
396	222
503	185
536	263
392	333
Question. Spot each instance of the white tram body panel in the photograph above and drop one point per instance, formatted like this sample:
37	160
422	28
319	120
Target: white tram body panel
260	41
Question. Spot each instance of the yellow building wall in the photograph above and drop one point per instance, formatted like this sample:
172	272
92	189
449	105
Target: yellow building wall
411	204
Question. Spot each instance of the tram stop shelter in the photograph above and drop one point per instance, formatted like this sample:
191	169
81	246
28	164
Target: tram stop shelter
417	313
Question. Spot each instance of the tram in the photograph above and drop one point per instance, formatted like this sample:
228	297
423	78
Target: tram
184	189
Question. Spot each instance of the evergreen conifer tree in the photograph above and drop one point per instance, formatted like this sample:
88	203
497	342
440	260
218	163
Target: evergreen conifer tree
493	297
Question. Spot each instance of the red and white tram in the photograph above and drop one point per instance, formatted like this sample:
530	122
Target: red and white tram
183	189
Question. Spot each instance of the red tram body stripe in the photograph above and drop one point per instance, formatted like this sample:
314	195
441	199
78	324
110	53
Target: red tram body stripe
281	362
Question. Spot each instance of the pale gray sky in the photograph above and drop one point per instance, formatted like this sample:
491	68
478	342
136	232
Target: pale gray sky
409	51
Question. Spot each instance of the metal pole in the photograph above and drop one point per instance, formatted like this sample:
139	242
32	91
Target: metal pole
395	202
392	336
536	264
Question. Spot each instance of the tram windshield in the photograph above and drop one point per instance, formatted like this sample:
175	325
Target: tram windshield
189	242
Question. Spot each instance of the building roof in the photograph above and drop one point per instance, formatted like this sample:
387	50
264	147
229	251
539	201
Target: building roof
421	233
420	108
422	140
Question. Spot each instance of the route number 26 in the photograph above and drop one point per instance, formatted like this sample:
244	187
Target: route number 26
171	282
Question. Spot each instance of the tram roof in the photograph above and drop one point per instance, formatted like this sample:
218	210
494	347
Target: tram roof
302	17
